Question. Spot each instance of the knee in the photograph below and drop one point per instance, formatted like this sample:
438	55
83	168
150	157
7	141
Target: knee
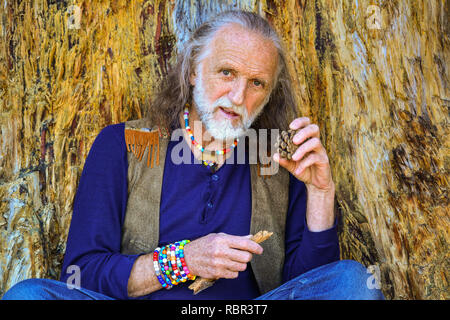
357	282
30	289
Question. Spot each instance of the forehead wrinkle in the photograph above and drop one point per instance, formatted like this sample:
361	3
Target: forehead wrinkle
242	61
234	45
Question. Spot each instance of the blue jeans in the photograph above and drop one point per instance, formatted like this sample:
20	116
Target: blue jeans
340	280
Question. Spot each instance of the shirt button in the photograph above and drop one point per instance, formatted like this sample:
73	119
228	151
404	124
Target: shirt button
209	204
215	177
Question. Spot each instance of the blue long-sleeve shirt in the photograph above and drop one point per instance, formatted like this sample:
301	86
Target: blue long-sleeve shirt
194	203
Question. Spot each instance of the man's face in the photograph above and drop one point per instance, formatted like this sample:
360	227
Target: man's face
233	83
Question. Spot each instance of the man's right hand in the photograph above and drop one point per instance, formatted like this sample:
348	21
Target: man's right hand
220	255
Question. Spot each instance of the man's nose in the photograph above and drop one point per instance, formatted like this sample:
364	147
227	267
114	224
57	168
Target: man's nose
237	92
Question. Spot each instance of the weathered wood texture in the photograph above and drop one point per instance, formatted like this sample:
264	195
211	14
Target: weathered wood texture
380	96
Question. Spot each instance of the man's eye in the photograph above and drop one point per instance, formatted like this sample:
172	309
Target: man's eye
226	72
257	83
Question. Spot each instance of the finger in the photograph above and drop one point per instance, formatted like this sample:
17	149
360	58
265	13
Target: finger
289	165
236	266
299	123
241	256
311	159
307	132
228	274
244	243
311	145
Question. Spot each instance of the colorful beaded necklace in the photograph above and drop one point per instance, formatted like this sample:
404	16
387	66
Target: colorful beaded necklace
208	163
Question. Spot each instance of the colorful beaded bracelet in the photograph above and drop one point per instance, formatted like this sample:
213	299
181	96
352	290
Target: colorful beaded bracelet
170	266
158	271
165	267
182	261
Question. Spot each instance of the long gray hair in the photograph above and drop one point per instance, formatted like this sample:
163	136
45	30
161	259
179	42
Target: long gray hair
175	89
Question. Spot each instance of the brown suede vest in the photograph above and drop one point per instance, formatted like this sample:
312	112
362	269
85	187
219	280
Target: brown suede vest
141	226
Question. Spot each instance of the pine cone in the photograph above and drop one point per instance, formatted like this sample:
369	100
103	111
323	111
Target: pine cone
285	146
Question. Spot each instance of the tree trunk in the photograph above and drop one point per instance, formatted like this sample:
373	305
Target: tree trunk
372	74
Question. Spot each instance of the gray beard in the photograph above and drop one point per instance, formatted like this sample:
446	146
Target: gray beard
223	129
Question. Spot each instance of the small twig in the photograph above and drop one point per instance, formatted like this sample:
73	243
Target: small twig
201	284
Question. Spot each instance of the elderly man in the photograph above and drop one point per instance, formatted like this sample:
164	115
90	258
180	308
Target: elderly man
145	231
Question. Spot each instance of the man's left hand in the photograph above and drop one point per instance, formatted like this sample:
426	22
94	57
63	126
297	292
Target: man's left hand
310	162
